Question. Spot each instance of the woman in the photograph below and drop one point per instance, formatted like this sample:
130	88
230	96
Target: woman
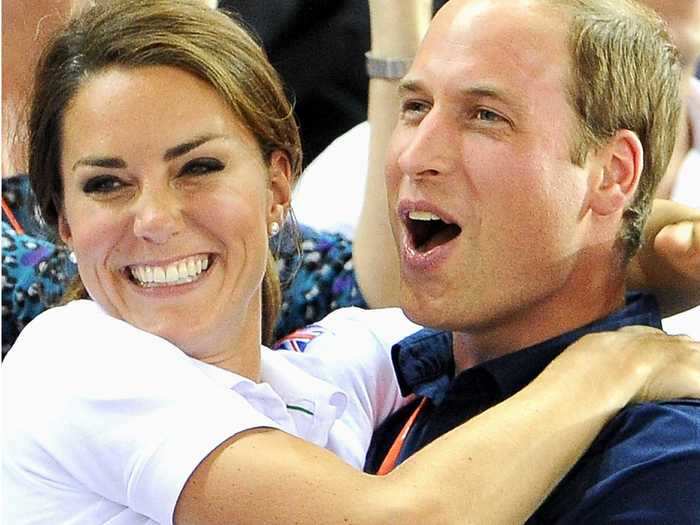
163	150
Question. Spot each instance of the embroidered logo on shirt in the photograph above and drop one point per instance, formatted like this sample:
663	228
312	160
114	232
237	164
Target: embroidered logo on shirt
302	405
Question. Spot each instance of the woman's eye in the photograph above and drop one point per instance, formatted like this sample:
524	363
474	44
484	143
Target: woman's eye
102	184
202	166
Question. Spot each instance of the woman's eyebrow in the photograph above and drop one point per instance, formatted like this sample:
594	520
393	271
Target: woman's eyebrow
101	162
170	153
186	147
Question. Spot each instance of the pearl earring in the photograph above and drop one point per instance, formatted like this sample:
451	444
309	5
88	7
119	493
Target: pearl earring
274	228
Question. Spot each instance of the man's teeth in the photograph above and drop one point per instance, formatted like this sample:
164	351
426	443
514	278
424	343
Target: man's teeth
423	216
181	272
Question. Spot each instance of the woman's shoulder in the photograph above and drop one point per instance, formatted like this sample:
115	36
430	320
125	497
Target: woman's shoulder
54	324
351	339
81	316
80	334
387	325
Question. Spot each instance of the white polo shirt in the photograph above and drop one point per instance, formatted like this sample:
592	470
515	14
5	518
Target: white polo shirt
104	423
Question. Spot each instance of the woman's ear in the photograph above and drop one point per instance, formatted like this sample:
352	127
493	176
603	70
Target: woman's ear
620	164
280	186
64	230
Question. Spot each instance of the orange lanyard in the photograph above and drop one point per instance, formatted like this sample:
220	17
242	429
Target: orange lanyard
392	456
11	217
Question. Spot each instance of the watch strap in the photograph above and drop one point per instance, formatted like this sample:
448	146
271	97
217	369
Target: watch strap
389	68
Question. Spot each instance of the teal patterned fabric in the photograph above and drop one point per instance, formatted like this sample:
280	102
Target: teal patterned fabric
35	271
317	277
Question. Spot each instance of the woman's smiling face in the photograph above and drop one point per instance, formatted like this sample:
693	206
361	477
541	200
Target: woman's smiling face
167	202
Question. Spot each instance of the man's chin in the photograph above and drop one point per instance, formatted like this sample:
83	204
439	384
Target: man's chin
431	314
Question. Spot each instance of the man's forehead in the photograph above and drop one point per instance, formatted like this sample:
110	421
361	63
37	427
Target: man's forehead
499	39
467	21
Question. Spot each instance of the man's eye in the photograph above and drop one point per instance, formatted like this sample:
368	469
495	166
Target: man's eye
413	111
202	166
413	106
102	184
487	115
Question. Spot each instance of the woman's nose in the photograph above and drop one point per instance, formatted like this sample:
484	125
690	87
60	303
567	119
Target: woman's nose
158	215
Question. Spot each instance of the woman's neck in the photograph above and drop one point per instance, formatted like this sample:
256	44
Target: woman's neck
236	347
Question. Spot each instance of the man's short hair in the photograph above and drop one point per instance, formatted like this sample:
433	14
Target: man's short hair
625	74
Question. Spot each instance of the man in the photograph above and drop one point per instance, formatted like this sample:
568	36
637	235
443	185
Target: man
531	138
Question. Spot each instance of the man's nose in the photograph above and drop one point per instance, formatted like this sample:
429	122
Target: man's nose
158	215
430	147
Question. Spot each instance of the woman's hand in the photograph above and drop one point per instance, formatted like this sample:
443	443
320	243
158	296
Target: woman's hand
668	263
679	244
674	367
636	364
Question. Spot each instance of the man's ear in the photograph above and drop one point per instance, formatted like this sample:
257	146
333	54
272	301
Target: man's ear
64	230
618	169
280	186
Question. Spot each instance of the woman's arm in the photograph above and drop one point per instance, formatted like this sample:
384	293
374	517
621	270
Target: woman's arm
267	476
669	261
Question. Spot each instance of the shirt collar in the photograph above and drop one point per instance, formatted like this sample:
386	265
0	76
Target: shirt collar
424	362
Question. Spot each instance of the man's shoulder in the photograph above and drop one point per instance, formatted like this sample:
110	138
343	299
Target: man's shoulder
651	432
644	467
644	436
659	420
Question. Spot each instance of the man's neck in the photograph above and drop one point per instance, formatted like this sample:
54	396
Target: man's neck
576	305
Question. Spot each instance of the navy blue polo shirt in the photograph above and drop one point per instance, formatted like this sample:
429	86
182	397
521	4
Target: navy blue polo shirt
644	466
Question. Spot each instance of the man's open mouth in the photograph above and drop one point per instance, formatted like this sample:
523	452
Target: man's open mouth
427	230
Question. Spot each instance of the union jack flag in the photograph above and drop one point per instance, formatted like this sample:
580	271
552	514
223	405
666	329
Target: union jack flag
297	340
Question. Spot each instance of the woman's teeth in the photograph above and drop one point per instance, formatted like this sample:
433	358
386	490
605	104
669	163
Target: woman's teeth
180	272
